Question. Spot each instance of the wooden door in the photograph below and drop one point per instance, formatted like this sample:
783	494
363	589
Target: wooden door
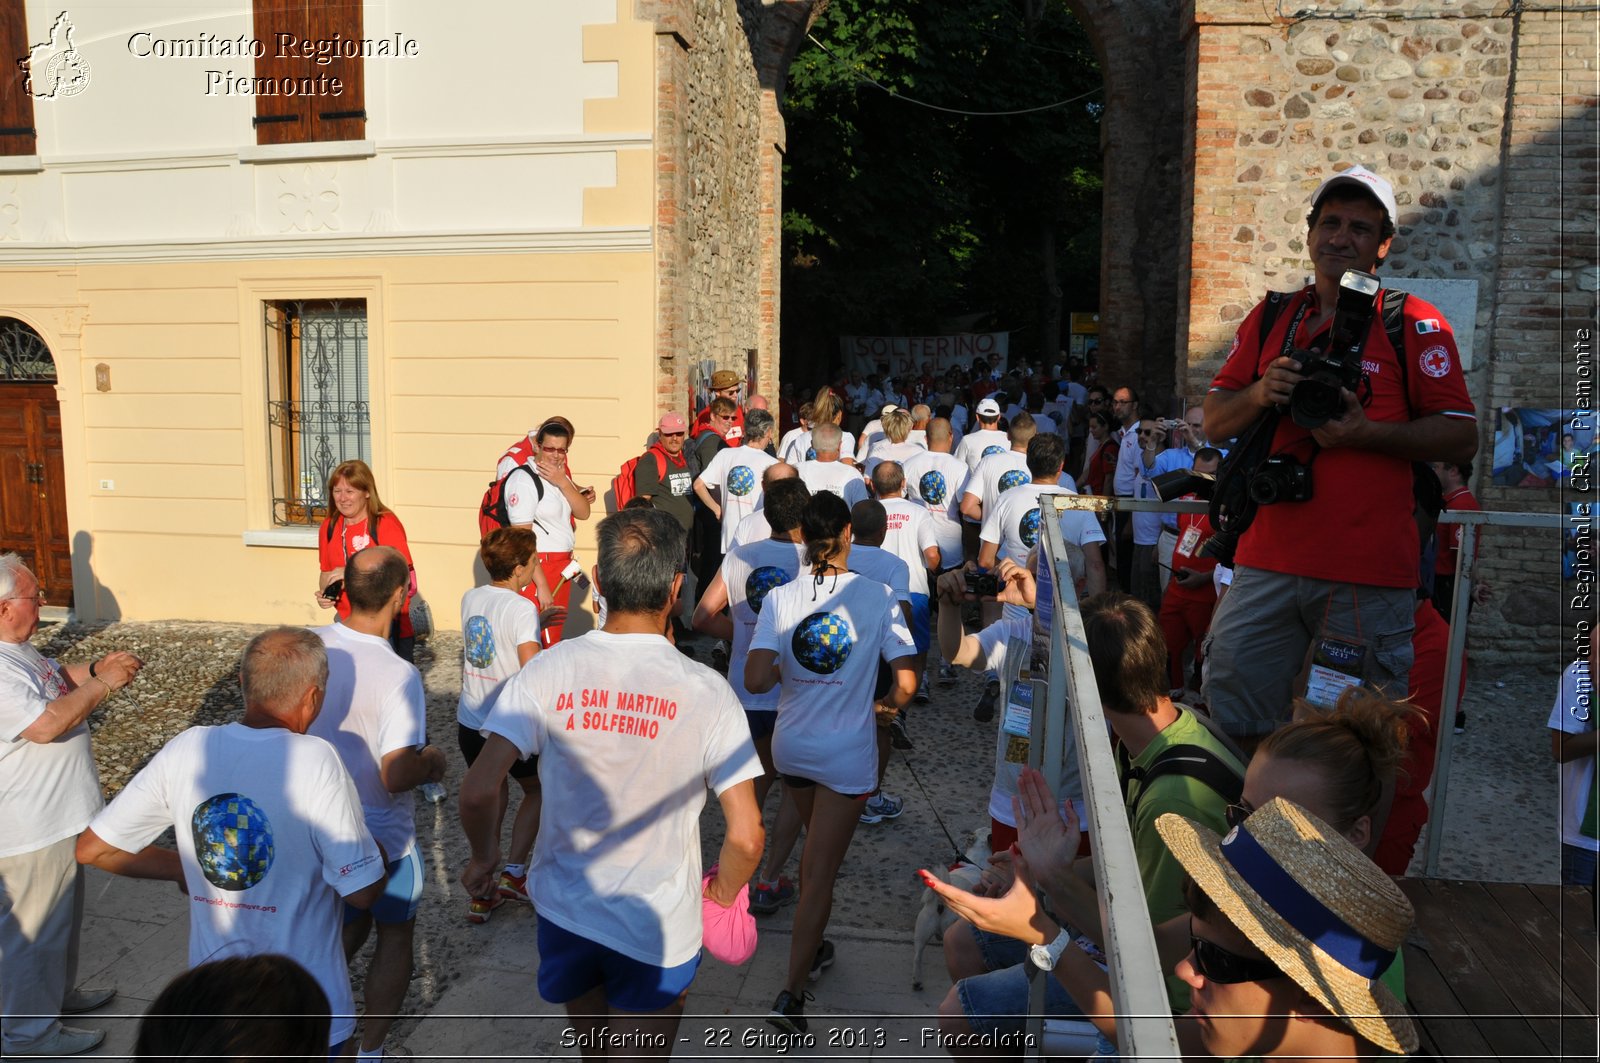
33	506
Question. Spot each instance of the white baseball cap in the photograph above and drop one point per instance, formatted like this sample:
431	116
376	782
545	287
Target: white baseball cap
1366	179
988	408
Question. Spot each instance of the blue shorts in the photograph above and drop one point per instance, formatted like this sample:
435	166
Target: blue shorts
571	965
401	894
761	721
997	1002
921	628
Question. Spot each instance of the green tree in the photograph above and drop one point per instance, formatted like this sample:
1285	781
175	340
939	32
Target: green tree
899	217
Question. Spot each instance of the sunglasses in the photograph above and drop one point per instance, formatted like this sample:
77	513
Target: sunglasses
1217	964
1237	814
673	435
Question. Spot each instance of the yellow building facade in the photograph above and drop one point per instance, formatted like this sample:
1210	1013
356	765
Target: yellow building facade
488	249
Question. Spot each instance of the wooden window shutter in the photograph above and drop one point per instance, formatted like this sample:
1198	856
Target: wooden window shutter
17	135
300	118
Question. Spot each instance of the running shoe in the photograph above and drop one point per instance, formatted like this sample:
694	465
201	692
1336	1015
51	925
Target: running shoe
768	897
823	958
983	711
898	733
921	697
881	806
789	1012
514	887
947	675
478	908
1461	723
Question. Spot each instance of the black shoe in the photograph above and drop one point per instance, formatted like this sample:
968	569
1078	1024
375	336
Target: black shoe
823	958
983	711
897	732
789	1012
719	659
1461	723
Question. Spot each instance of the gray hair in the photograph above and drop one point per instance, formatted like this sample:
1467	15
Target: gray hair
897	425
920	413
11	567
757	423
825	438
640	553
279	665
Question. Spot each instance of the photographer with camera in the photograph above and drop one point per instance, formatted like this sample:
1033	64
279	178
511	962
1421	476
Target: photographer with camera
1370	381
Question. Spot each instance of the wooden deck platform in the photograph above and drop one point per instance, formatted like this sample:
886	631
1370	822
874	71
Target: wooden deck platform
1502	970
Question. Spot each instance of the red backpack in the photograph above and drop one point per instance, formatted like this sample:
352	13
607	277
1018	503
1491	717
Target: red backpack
622	483
492	512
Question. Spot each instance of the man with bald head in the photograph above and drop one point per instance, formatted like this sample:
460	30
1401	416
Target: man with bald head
272	845
375	715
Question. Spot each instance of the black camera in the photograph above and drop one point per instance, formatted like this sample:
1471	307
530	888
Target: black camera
1281	478
1317	399
1180	482
982	584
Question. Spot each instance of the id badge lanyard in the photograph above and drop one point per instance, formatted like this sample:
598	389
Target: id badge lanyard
1337	664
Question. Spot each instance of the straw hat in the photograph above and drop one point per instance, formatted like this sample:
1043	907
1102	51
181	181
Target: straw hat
1314	903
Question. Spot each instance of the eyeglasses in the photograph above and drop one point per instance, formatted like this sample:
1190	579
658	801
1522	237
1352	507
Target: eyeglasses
1237	814
673	435
1217	964
554	450
25	598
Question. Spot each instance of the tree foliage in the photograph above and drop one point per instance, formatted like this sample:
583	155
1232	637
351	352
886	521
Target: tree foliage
900	218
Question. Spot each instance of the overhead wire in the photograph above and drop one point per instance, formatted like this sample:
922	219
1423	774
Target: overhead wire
937	107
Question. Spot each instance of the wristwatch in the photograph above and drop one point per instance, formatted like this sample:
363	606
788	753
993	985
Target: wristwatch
1045	957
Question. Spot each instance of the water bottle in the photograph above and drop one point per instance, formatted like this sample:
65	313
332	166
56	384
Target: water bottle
433	792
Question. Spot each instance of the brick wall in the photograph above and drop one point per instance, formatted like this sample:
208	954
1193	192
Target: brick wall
1485	122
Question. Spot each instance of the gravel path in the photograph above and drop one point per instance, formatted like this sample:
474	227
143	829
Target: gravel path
1502	797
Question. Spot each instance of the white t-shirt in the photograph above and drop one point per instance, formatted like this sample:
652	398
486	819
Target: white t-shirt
832	476
752	529
736	473
546	511
788	438
374	706
1573	713
910	531
1014	525
629	734
829	638
750	573
871	436
938	479
992	642
798	447
494	622
48	791
975	446
878	564
271	838
999	473
1128	461
1146	526
886	451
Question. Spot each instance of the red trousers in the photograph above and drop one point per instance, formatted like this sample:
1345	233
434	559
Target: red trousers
1184	623
551	565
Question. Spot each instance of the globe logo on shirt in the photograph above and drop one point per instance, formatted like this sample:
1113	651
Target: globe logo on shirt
478	638
741	480
823	642
1028	528
990	451
232	841
1012	478
932	488
761	582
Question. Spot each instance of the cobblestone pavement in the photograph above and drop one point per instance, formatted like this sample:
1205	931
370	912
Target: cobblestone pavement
1500	825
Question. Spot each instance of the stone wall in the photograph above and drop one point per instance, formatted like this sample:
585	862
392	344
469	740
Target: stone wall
1483	116
719	138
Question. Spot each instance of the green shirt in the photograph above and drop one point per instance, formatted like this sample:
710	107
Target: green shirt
1190	798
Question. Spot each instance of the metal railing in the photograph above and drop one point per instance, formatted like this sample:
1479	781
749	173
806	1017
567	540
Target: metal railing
1144	1024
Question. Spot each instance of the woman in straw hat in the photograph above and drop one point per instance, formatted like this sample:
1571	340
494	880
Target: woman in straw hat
1241	1003
1286	955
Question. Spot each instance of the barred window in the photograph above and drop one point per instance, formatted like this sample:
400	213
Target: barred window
317	400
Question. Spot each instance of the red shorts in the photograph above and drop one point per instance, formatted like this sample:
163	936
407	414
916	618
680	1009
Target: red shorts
551	565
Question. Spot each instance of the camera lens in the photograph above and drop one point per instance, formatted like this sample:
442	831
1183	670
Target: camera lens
1264	489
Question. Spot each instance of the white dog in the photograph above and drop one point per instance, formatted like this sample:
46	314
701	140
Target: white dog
934	918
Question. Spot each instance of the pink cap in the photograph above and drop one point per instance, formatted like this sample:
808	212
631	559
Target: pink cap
673	422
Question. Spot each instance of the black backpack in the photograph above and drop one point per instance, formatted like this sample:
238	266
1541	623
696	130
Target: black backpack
1192	761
